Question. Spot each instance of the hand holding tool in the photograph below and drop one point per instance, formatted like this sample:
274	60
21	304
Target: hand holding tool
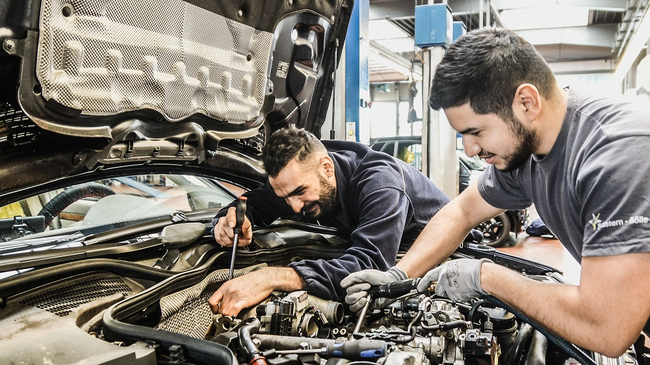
240	214
458	279
357	284
394	289
391	289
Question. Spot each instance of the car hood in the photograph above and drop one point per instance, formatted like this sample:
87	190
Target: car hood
92	88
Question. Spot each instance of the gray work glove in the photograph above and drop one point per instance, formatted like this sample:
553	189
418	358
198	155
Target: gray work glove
357	284
458	280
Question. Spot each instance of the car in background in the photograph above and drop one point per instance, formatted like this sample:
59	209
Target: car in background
470	170
125	126
496	231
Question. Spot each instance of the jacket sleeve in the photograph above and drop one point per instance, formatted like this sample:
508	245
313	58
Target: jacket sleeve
375	243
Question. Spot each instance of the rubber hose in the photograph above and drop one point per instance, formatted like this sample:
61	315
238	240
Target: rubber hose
204	352
537	350
251	353
517	349
55	206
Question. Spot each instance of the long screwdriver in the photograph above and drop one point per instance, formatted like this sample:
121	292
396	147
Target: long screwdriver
240	214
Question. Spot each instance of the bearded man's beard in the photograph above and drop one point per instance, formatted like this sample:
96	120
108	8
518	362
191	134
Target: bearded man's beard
326	200
528	143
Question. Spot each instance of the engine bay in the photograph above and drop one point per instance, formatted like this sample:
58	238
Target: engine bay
107	311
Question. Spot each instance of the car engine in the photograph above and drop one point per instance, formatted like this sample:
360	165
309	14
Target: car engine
414	329
108	311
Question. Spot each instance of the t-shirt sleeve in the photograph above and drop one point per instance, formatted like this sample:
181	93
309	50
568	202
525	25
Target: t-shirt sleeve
375	243
614	185
501	189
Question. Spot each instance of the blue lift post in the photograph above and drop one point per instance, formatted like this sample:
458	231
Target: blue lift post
459	29
357	85
433	34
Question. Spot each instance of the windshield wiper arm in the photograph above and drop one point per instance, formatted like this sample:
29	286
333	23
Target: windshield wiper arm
46	258
40	243
104	245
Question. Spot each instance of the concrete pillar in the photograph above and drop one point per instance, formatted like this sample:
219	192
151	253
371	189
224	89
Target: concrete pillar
434	33
439	160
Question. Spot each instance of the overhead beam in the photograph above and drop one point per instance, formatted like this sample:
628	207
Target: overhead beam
582	67
633	49
592	36
385	56
611	5
391	8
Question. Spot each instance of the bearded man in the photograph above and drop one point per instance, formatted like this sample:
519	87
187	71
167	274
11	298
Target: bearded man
567	152
383	201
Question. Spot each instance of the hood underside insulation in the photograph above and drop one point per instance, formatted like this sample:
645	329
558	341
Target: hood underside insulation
98	58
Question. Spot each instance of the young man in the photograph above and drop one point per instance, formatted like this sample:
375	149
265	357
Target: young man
576	157
378	198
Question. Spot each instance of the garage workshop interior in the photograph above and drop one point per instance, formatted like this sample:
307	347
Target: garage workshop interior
127	126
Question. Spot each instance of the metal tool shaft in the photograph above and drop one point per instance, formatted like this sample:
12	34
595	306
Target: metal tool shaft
362	315
232	257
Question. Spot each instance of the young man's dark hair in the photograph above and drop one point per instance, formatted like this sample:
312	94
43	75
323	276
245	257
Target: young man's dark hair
485	67
286	144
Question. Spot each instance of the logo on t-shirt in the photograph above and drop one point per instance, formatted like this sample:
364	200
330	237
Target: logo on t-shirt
596	223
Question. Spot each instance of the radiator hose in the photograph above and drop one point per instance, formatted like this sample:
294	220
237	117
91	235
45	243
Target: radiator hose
251	353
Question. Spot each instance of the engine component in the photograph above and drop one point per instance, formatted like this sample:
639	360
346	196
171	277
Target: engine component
353	350
170	322
299	314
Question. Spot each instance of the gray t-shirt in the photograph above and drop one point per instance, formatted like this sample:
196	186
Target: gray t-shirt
593	188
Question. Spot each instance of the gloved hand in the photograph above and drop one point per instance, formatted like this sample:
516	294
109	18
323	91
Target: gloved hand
357	284
457	279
